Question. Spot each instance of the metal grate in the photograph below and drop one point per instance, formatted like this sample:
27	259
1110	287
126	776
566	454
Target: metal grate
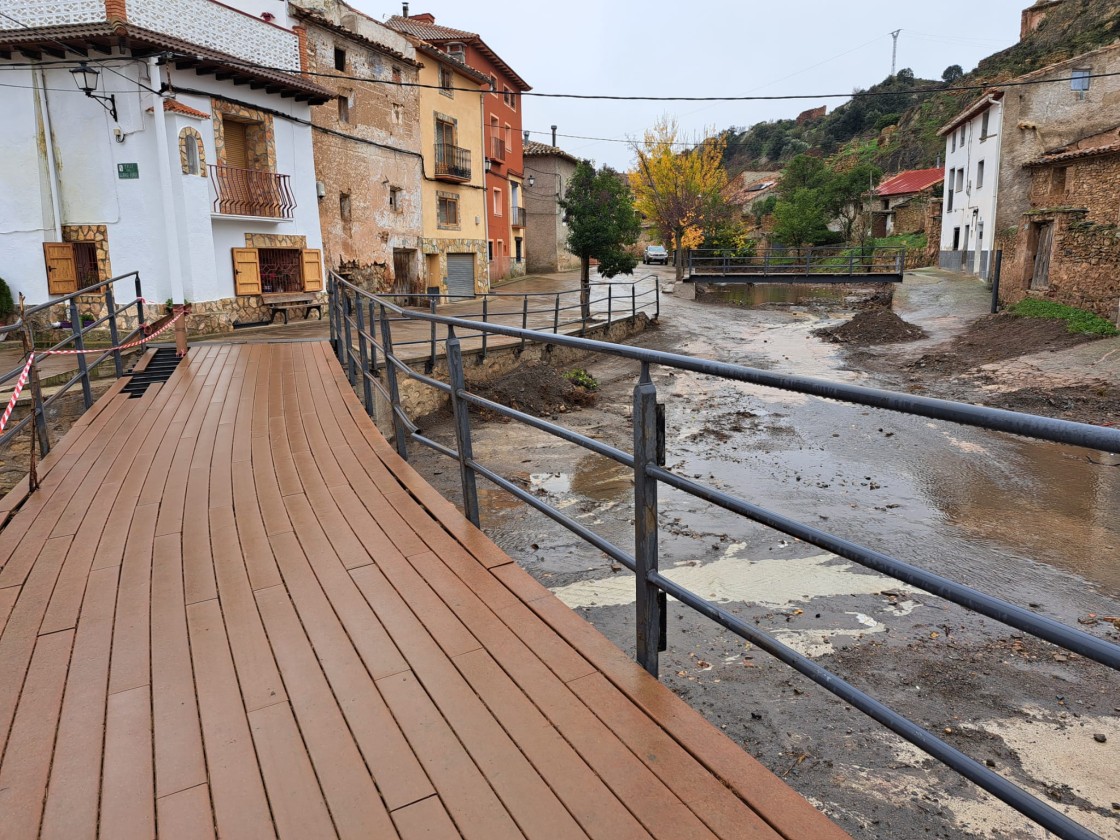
281	270
159	369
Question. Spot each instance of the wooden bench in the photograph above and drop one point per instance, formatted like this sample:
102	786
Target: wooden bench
284	302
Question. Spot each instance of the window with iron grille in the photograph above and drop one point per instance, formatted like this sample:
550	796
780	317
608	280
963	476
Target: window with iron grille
85	259
281	270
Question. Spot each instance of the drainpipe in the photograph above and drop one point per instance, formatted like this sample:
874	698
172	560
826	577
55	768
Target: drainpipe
163	165
52	166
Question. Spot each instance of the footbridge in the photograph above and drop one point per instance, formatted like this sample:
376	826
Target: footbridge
230	607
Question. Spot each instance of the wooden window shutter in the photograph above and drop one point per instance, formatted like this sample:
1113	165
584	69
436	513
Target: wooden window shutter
236	144
62	268
312	270
246	271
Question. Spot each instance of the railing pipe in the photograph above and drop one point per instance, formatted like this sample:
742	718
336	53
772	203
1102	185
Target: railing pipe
524	321
485	320
363	357
347	338
648	617
610	302
433	297
461	412
114	340
556	316
373	344
633	304
140	322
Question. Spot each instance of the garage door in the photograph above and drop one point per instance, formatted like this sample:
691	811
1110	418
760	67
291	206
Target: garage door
460	274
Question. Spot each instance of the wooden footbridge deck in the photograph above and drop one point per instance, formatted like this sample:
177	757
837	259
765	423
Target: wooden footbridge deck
232	610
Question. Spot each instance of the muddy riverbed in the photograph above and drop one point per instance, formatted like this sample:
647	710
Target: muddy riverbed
1034	523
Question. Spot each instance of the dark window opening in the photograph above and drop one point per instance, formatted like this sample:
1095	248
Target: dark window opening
956	239
339	59
490	250
344	207
85	261
517	248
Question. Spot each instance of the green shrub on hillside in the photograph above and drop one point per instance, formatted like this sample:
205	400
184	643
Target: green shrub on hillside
7	305
1077	320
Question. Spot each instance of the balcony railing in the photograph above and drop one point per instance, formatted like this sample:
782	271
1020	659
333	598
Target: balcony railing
452	162
517	217
249	192
497	149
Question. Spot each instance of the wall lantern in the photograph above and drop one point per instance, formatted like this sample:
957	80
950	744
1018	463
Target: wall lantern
85	77
532	181
486	164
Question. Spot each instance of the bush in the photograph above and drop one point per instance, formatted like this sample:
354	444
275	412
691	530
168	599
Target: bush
1077	320
7	306
582	379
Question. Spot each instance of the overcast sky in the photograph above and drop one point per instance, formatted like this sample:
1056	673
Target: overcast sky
717	48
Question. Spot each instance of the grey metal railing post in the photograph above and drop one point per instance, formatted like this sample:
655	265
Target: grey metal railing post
656	298
808	261
114	339
995	280
649	604
461	411
332	292
373	344
524	320
36	393
79	344
400	439
347	348
633	303
363	356
766	261
433	297
556	315
139	306
610	304
485	320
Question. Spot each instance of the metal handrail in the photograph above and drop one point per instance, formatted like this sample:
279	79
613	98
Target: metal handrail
76	339
649	471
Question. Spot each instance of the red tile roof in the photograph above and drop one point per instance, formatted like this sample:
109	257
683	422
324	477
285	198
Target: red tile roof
911	181
425	28
175	106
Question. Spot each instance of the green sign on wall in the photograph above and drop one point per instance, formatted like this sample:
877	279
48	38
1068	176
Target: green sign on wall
128	171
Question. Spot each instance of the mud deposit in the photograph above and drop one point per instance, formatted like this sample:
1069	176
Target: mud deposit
1034	523
872	326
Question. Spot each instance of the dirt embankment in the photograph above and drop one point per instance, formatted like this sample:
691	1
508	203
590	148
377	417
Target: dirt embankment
872	326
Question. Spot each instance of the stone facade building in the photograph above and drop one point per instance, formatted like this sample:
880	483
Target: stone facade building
1067	247
208	192
546	234
501	122
368	157
899	204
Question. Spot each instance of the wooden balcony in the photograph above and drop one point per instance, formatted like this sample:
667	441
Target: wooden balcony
517	217
497	149
452	163
249	192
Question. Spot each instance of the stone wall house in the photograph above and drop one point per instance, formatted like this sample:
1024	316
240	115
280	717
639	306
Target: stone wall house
191	162
898	205
745	192
546	233
503	146
1067	246
1042	120
368	155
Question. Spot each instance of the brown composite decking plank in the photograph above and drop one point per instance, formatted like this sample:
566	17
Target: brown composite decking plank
7	601
348	787
293	791
257	673
526	796
24	773
424	820
179	761
259	561
131	660
127	794
186	815
395	769
241	808
75	785
18	639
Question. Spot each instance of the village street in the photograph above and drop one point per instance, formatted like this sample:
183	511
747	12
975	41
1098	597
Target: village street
1031	522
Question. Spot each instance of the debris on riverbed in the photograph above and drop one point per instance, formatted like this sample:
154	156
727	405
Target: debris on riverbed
535	388
872	326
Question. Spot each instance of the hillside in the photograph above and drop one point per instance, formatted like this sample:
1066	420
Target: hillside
899	130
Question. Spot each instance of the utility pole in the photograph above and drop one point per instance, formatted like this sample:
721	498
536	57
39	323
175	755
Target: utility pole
894	49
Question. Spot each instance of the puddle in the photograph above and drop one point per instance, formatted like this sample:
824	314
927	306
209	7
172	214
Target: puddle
773	582
595	477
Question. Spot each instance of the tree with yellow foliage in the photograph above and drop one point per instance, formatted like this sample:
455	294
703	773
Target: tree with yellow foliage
680	192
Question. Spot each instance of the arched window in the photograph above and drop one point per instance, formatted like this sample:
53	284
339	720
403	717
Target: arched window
192	154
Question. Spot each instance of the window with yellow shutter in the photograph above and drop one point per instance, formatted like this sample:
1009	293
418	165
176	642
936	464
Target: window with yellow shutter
236	143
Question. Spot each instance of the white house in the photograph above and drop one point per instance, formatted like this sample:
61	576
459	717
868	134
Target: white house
972	152
169	137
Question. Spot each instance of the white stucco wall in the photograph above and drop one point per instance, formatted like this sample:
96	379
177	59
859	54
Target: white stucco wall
87	154
972	206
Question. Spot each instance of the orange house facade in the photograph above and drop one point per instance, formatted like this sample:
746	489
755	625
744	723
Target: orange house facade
502	138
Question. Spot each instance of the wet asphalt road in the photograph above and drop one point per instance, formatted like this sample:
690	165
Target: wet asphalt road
1033	523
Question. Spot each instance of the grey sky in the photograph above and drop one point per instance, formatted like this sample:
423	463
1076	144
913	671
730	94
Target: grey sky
716	48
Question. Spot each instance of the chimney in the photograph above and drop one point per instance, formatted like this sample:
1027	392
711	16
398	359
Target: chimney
554	135
406	9
526	136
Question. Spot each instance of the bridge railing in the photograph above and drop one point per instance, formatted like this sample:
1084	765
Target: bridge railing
810	262
76	328
351	309
554	311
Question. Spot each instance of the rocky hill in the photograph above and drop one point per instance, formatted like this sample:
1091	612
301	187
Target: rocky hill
898	129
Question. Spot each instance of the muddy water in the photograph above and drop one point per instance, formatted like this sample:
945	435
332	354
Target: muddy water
1034	523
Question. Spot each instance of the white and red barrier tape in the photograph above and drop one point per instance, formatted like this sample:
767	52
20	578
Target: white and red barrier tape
26	372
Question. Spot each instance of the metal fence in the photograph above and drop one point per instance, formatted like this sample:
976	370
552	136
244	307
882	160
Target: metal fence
77	330
352	310
818	262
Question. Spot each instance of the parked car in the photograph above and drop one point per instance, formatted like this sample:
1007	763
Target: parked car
656	254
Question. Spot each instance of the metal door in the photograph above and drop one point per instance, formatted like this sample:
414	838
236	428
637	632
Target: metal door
460	275
1040	278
